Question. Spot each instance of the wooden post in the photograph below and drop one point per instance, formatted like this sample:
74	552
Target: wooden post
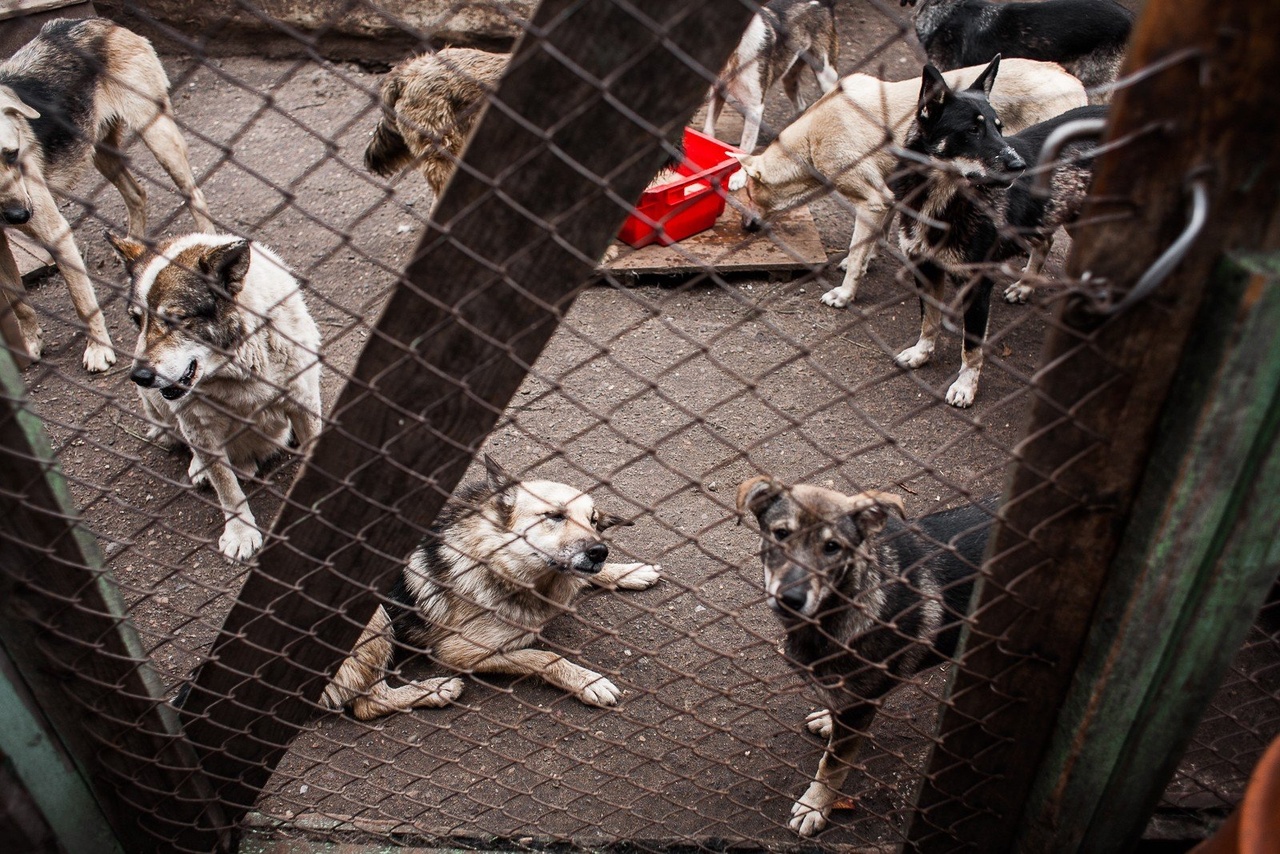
64	628
1099	400
514	238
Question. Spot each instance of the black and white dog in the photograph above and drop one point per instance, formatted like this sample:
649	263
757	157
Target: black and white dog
964	202
1087	37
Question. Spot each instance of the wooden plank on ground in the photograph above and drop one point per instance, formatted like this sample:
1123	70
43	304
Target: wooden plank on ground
513	240
792	242
1099	398
34	261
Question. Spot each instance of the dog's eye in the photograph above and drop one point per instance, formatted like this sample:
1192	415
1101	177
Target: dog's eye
831	547
10	155
781	533
136	318
554	517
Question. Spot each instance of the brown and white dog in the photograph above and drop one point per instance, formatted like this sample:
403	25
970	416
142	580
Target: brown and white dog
226	362
68	97
785	38
504	558
867	601
846	142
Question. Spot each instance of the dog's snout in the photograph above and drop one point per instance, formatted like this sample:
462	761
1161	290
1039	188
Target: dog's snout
16	215
598	553
793	597
751	221
143	376
1013	161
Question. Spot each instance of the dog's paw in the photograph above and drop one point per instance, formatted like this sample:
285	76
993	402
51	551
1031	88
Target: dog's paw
638	576
737	181
915	357
838	297
599	692
98	357
964	389
164	438
33	340
1018	292
439	692
198	472
809	814
819	723
239	540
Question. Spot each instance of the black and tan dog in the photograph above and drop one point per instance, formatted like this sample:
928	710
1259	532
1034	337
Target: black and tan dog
68	97
966	204
504	558
867	601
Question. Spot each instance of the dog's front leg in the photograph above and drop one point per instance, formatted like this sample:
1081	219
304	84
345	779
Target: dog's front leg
240	537
627	576
932	281
587	685
50	228
869	223
809	814
976	315
14	308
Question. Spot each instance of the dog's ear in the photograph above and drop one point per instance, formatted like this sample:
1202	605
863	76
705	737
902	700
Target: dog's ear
755	495
11	104
499	479
987	79
127	248
933	93
870	511
605	521
226	266
749	164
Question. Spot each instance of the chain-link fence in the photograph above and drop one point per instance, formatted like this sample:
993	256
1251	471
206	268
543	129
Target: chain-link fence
485	317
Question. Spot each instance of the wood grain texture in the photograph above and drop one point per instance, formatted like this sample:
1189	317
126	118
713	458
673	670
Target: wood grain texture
515	237
1100	396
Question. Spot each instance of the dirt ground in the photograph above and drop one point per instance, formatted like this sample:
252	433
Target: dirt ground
752	375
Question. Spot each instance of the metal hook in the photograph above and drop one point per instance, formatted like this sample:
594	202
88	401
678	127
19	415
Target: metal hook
1046	165
1171	257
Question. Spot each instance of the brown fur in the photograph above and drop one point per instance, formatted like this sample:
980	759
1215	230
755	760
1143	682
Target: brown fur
430	104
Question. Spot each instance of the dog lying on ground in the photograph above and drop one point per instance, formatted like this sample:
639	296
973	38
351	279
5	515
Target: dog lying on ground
844	143
503	559
226	362
786	37
69	96
962	172
1087	37
867	602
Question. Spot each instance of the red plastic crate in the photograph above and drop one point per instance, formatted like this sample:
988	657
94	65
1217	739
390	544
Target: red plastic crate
687	204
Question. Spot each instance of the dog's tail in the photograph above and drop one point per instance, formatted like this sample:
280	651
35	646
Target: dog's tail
388	153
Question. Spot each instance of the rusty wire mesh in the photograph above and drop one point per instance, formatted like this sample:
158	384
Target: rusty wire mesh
656	397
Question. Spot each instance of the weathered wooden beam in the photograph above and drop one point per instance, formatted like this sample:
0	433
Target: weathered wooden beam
516	235
1199	555
64	627
1099	398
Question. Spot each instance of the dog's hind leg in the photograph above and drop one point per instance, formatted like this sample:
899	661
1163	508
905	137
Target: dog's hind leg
715	104
1023	289
15	311
162	136
977	314
932	281
48	227
791	85
869	223
111	163
809	814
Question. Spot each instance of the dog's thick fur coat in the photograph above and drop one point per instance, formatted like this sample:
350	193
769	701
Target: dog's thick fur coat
430	103
786	37
962	212
1087	37
844	142
504	558
227	356
68	97
867	602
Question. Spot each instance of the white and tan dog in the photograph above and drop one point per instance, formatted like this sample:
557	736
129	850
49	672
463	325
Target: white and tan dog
503	559
68	97
846	142
227	356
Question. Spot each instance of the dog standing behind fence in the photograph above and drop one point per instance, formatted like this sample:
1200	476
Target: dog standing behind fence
68	96
226	358
504	558
867	602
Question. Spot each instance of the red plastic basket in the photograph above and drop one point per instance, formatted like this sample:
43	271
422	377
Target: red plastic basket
687	204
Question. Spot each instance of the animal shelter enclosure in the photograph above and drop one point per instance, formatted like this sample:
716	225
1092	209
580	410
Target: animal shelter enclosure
163	675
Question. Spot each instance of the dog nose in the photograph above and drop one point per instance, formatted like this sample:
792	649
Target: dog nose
143	376
16	216
794	597
1013	161
598	553
751	222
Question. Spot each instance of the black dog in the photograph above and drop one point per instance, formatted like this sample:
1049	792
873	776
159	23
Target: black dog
962	204
867	602
1087	37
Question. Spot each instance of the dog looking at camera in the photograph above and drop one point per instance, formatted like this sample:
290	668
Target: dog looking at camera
867	601
504	558
226	362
